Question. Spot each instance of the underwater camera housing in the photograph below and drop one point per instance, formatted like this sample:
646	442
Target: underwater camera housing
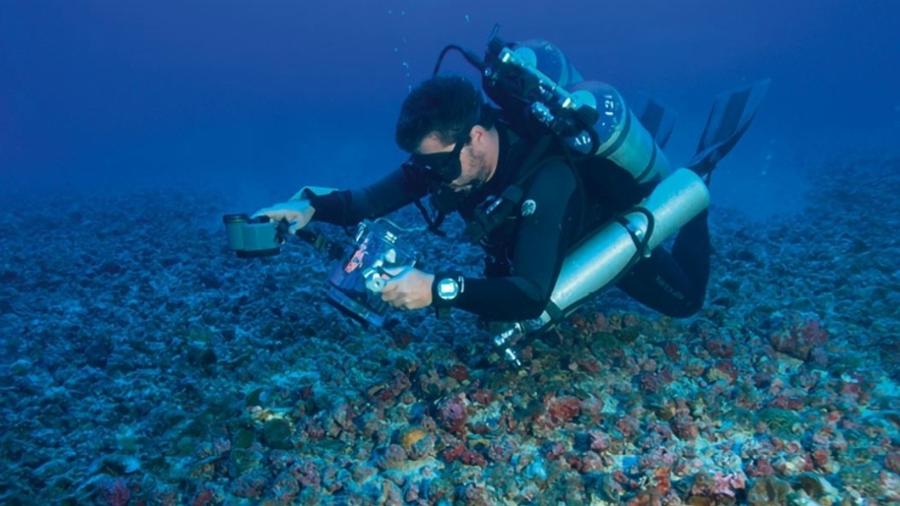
255	237
357	282
354	283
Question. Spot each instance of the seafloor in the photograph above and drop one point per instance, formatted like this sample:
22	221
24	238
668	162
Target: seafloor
143	363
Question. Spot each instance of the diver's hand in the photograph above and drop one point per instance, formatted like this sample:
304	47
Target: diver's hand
296	212
411	289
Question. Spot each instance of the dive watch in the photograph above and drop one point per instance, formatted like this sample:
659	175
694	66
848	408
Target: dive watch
446	288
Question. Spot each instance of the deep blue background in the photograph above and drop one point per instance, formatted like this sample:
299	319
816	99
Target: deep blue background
259	98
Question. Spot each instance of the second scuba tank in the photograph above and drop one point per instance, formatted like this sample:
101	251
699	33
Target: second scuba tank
620	135
610	251
535	78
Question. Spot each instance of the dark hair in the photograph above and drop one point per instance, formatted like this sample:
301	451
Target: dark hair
447	105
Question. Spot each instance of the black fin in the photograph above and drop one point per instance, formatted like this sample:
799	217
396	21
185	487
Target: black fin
657	120
729	118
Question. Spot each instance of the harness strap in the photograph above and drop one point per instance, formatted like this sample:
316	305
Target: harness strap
484	221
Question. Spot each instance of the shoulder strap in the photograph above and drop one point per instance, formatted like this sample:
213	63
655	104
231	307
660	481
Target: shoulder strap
486	220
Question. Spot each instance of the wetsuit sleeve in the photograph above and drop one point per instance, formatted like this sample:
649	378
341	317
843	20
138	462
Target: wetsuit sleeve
349	207
540	248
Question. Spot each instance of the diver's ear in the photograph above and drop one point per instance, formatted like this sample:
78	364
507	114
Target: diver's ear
477	134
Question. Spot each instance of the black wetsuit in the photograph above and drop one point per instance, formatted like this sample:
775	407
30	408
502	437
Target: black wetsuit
525	253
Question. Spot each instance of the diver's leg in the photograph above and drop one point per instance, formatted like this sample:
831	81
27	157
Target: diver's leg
692	251
674	283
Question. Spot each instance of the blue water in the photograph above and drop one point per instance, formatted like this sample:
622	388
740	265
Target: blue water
253	98
141	362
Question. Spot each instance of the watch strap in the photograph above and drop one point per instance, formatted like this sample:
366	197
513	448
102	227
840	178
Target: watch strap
436	300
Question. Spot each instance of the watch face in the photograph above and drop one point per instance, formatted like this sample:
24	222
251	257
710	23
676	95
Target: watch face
447	288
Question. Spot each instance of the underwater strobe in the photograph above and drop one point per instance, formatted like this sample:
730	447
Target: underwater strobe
255	237
614	249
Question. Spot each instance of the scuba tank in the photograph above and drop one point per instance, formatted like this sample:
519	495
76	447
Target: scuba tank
613	250
534	78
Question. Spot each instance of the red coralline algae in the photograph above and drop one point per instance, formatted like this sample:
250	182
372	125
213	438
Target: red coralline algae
599	440
203	497
334	479
728	369
729	484
458	372
760	468
717	486
650	382
892	461
821	458
116	492
314	429
589	364
453	415
662	481
628	426
660	431
791	403
553	450
463	454
851	390
657	457
719	346
562	409
341	419
474	495
482	396
800	339
685	427
502	449
307	474
600	323
592	407
672	351
389	390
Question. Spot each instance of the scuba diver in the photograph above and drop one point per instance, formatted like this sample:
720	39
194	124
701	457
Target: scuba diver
544	176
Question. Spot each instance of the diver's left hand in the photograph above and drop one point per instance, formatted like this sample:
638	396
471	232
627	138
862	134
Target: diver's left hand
411	289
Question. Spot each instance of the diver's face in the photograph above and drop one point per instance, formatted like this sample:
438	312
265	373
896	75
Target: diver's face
473	169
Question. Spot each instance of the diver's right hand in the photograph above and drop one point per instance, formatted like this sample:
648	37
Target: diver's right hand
296	212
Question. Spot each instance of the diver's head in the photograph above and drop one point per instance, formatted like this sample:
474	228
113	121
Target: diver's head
449	132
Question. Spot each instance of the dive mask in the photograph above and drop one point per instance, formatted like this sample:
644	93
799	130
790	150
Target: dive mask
443	167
